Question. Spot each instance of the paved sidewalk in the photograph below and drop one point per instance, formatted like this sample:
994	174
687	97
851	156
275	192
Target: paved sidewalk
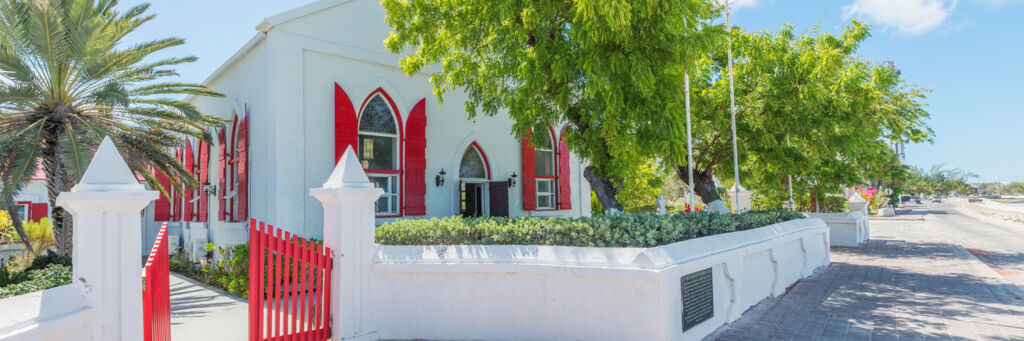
890	290
199	312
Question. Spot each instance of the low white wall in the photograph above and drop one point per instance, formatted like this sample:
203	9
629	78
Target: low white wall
846	229
59	313
559	293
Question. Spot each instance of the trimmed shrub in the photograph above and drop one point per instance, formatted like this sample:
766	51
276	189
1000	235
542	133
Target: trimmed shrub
54	275
624	230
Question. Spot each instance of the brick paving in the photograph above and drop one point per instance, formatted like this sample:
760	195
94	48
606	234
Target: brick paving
890	290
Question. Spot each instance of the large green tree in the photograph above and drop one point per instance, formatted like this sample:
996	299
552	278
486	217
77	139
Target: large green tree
69	80
612	69
807	106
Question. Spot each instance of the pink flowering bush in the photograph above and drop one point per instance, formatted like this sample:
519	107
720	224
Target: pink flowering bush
870	194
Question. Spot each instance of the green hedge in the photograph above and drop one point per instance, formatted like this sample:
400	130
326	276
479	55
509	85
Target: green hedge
625	230
54	275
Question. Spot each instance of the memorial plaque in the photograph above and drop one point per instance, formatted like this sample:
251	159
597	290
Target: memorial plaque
698	296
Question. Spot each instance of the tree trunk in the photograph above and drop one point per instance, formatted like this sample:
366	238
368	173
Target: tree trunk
703	183
57	180
604	189
12	210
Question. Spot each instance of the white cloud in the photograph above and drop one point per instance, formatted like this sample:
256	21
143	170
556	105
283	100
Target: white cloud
906	16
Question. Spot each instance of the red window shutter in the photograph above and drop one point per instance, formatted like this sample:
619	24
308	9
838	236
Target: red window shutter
176	206
189	163
38	211
162	207
242	169
204	177
564	185
529	183
416	160
346	124
222	175
232	175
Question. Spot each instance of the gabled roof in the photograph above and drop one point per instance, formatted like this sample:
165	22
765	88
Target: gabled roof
265	26
281	18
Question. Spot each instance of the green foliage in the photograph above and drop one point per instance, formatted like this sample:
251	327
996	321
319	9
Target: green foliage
230	272
50	257
612	69
836	110
8	276
53	275
939	181
70	80
40	234
624	230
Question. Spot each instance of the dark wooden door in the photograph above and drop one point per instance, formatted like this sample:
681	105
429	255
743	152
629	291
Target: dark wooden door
499	198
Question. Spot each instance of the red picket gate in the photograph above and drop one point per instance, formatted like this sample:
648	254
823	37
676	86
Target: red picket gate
156	292
289	286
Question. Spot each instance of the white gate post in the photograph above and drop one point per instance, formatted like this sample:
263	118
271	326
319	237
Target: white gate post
349	199
106	206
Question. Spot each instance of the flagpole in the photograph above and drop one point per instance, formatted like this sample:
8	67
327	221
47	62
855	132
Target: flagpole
792	204
732	109
689	141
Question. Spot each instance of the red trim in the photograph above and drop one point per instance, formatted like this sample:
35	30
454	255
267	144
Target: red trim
232	162
482	155
388	171
415	181
529	183
176	205
204	176
38	211
242	169
401	136
222	156
564	184
346	124
162	207
189	164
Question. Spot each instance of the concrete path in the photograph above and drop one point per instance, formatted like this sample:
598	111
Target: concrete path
891	289
199	312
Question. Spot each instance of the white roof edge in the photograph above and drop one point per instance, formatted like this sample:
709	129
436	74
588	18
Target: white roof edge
270	22
241	53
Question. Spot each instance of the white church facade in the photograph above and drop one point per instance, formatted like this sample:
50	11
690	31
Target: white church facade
316	80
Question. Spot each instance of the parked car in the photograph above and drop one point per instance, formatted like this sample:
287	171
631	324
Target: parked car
936	198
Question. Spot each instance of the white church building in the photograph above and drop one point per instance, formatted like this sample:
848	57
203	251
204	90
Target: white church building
316	80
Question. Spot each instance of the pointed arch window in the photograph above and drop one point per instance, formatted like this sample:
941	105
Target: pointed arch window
473	165
544	169
379	150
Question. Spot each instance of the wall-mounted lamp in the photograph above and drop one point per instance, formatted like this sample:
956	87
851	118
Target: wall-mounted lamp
512	180
439	179
209	189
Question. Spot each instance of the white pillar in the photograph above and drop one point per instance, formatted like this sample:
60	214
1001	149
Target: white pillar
106	206
349	198
856	203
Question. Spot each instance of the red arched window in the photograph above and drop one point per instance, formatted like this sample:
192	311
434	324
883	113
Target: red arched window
540	171
380	149
233	161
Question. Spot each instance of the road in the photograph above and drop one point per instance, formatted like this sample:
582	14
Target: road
998	243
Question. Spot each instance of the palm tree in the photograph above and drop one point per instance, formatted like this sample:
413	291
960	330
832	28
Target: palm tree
66	80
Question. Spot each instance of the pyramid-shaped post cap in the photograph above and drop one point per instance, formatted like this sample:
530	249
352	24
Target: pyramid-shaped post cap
108	172
348	173
856	198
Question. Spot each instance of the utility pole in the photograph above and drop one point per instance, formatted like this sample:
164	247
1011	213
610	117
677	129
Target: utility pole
732	109
689	141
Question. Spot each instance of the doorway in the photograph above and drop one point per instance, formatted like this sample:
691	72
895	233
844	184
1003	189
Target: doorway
471	199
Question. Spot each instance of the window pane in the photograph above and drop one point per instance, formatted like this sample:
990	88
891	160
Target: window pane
382	202
544	201
544	186
377	152
542	139
544	163
377	117
472	165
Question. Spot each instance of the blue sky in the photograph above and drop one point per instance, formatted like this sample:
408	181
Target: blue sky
970	52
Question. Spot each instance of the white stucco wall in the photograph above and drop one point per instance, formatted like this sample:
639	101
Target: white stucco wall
286	76
563	293
846	229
